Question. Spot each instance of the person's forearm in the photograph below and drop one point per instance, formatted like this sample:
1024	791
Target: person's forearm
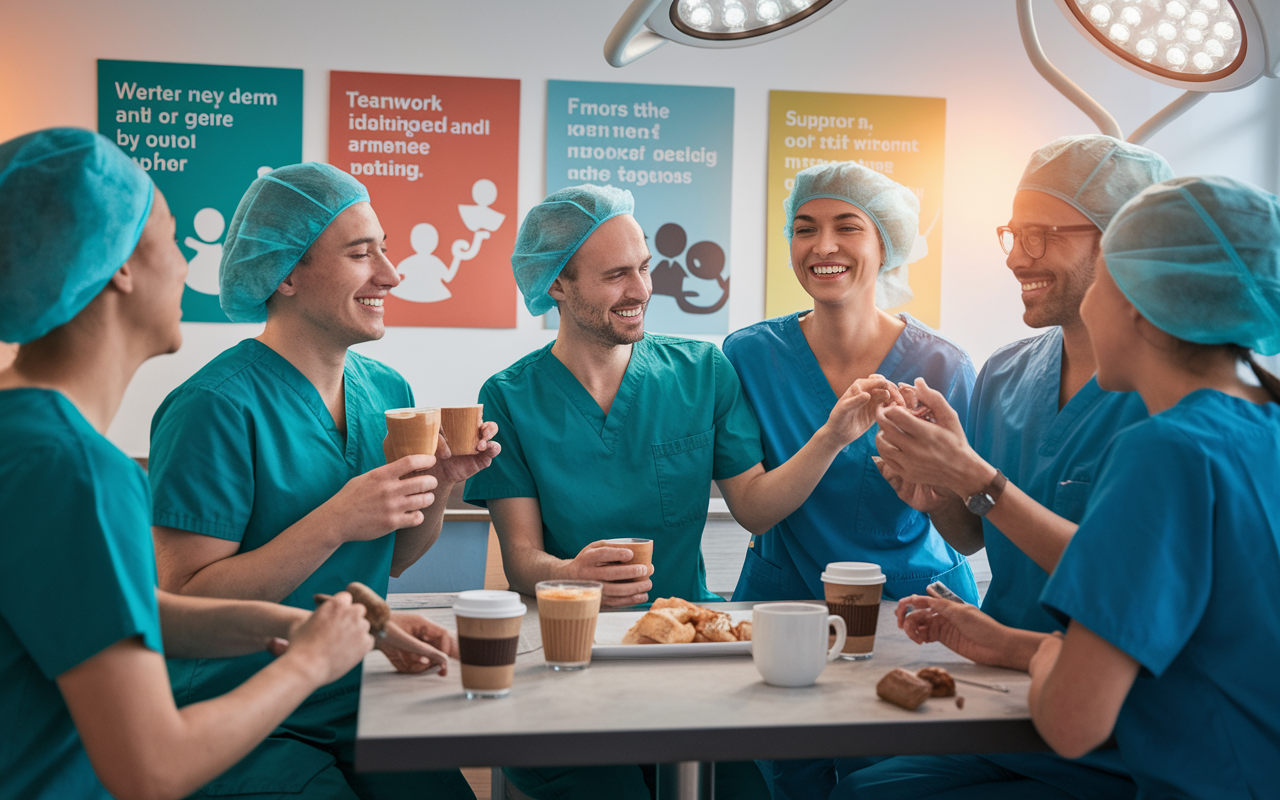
270	572
203	627
958	527
526	566
773	495
413	543
1019	646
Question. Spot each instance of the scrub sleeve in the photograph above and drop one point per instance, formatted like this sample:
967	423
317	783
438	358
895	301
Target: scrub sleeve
77	575
241	451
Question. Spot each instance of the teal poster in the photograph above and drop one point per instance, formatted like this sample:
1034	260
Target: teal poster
204	133
672	148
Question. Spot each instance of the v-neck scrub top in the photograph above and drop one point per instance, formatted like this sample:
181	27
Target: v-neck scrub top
853	514
77	575
243	450
1174	563
678	422
1052	455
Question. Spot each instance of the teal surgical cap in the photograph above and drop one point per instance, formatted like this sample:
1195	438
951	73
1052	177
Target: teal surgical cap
1096	174
554	230
72	208
280	216
893	208
1200	259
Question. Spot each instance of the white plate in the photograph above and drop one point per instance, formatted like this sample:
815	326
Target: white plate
611	627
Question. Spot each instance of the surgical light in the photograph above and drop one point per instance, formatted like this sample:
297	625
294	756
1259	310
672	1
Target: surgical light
649	24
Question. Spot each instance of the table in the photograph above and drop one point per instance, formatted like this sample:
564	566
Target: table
679	710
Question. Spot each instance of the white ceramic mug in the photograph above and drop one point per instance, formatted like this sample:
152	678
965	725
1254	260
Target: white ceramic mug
789	642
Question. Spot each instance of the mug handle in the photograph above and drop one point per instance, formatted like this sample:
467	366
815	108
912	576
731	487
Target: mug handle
838	624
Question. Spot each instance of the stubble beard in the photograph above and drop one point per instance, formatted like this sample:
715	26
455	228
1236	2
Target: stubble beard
597	321
1062	307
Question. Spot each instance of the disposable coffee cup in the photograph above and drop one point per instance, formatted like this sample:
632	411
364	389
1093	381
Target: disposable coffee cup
411	432
567	613
461	427
853	593
488	637
642	553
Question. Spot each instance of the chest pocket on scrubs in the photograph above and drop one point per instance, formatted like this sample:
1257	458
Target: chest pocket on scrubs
684	477
1070	499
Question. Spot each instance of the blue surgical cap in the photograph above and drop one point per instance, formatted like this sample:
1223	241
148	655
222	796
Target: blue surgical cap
1094	173
1200	259
893	208
554	230
72	208
280	216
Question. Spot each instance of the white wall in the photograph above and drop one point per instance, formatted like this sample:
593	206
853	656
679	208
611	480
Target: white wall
998	111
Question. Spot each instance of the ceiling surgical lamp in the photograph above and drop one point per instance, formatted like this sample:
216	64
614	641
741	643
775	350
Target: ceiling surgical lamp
648	24
1201	46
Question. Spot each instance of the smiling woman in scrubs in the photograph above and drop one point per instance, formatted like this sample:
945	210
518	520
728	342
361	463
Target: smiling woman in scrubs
91	286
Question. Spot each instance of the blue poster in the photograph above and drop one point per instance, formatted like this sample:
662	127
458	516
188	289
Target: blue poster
671	147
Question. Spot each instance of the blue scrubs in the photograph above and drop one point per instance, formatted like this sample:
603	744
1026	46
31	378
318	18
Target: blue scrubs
1053	455
679	421
1175	564
77	528
241	451
853	514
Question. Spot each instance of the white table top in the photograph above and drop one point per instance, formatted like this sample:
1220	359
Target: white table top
668	710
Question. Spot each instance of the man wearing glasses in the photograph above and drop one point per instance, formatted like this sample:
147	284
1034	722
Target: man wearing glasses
1037	427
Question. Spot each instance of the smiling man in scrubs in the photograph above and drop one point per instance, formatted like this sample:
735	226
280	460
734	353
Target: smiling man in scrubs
268	472
1036	430
612	432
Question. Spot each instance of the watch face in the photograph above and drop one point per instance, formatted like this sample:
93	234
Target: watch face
979	503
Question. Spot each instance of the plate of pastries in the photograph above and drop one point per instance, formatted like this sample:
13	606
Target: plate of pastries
673	627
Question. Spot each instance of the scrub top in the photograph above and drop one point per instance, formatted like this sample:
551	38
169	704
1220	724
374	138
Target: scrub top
853	514
1175	563
243	450
678	422
77	575
1053	455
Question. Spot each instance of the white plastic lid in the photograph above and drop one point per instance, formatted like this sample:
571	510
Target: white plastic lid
488	604
853	573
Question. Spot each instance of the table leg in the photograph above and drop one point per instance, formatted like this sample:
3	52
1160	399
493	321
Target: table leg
687	780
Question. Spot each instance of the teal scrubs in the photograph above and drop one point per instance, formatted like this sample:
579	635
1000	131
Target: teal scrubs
678	422
77	575
241	451
1053	455
1175	563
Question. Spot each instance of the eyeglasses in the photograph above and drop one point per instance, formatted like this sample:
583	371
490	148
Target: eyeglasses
1033	239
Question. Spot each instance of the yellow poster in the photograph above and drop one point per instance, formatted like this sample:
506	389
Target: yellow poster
901	137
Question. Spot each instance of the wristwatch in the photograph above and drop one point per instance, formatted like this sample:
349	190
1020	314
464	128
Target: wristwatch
982	502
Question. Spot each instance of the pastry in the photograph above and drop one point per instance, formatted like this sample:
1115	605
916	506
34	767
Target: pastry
904	689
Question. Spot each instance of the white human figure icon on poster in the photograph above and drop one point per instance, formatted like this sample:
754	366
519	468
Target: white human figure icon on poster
425	274
202	268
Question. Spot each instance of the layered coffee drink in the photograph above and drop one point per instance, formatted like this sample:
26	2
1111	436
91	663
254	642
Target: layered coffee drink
461	428
567	612
411	432
488	639
853	591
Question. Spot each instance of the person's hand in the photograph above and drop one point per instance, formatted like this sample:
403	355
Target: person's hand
930	453
1046	655
855	411
382	500
415	644
331	641
454	467
962	628
602	562
923	498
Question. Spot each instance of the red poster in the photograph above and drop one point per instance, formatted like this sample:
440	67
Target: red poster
440	158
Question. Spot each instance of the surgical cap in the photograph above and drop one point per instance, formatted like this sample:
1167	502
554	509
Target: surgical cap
1094	173
554	230
893	208
72	208
280	216
1200	259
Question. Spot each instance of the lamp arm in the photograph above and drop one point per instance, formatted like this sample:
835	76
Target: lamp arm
1165	115
629	40
1027	26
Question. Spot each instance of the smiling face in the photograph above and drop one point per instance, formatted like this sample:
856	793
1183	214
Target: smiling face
604	292
835	251
155	301
1053	284
338	289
